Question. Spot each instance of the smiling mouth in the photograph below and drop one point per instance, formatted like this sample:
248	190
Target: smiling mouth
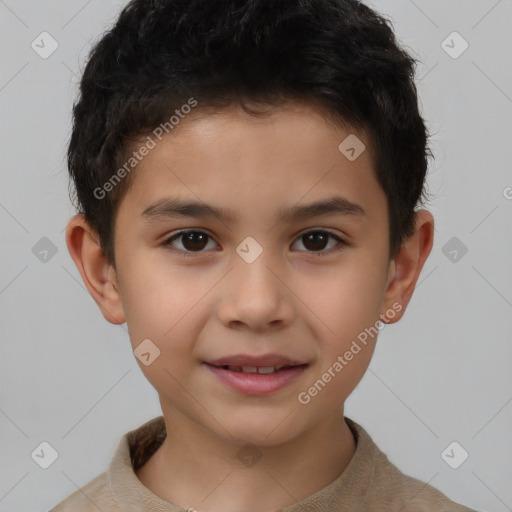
257	380
263	370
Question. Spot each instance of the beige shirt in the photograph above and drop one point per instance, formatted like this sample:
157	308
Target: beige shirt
369	483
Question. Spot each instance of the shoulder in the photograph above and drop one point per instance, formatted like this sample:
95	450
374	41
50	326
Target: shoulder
389	489
91	497
119	488
412	494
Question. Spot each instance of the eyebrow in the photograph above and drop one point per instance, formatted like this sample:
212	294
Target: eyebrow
175	208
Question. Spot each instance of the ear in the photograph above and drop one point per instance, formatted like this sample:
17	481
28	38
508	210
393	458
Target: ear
97	274
405	269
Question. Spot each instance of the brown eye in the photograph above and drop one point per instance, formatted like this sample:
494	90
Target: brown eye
316	241
191	242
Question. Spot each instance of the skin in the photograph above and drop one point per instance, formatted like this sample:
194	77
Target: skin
289	300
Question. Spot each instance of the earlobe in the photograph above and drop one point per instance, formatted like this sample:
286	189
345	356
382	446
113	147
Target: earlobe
407	266
97	274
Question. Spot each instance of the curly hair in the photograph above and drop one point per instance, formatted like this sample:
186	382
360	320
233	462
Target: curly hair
337	54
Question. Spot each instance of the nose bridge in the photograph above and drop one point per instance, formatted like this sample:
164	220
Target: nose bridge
252	270
254	295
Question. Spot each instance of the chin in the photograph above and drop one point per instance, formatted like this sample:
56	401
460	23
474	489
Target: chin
266	430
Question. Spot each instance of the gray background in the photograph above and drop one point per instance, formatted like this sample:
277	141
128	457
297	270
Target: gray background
442	374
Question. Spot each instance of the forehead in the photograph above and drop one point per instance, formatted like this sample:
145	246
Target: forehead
238	161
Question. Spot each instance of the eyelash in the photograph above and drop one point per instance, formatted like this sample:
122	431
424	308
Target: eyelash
187	254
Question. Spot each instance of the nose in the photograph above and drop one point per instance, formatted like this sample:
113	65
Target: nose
255	296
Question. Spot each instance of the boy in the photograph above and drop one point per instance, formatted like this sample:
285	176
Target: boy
252	128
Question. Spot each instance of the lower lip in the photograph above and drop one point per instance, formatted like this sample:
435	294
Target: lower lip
257	383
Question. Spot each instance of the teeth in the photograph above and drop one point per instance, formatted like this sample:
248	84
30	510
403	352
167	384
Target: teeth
255	369
266	369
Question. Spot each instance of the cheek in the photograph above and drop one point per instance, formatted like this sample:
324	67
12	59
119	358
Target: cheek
164	310
346	299
159	302
348	308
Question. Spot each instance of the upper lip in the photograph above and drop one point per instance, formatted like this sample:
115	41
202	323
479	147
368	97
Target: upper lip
266	360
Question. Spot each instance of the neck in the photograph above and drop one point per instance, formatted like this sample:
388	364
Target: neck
192	469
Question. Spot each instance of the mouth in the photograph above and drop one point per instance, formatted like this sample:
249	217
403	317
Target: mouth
252	363
256	376
262	370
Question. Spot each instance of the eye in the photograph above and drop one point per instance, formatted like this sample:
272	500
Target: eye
195	241
316	239
191	242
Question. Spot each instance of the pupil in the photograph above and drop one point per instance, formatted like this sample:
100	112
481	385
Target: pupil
319	240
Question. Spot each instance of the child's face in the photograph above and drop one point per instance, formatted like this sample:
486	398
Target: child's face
300	298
